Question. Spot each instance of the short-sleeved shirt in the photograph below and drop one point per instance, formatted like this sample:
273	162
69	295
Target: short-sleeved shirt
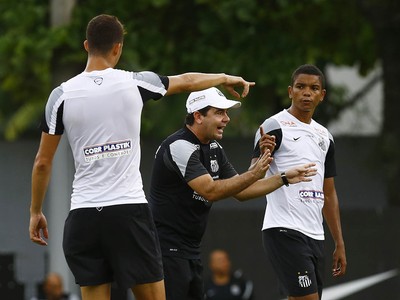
100	112
180	214
298	206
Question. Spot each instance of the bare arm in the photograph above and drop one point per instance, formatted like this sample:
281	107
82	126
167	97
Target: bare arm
40	179
214	190
332	218
267	185
189	82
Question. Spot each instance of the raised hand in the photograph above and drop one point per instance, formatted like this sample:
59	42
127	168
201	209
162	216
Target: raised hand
266	141
235	81
301	173
261	166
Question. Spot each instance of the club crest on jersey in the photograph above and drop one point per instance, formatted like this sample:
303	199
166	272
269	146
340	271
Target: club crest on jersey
214	165
322	144
304	280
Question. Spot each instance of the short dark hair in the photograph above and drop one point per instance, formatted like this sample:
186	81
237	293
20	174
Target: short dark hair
309	70
189	119
103	32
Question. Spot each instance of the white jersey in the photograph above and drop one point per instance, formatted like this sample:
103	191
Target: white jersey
298	206
100	112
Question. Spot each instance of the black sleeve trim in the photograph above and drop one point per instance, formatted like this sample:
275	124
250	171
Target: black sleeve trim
278	140
165	81
330	163
60	124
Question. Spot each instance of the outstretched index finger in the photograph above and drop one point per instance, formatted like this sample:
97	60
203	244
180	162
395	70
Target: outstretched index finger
246	88
261	130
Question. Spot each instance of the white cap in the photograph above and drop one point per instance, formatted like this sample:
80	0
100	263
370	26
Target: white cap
209	97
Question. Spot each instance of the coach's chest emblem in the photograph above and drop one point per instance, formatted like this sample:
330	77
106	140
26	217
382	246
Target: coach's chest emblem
214	166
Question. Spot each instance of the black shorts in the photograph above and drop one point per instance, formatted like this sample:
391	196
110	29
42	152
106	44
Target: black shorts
114	243
297	259
183	278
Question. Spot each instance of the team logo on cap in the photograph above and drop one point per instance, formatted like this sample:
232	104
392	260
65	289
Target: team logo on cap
196	99
220	93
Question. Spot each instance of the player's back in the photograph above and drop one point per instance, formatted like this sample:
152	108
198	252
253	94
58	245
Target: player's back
101	117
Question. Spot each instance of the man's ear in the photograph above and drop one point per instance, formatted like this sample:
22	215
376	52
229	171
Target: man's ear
290	91
86	45
323	95
117	48
198	117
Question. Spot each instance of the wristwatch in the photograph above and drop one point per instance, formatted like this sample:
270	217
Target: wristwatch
284	179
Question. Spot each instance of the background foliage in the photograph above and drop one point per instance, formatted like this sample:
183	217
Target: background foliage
259	40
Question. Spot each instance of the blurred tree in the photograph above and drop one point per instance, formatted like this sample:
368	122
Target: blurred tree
26	48
30	39
260	40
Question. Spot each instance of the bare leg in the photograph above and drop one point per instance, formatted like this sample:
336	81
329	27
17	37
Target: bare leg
150	291
308	297
96	292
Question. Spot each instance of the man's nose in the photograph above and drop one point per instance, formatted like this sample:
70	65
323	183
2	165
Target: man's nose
226	117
